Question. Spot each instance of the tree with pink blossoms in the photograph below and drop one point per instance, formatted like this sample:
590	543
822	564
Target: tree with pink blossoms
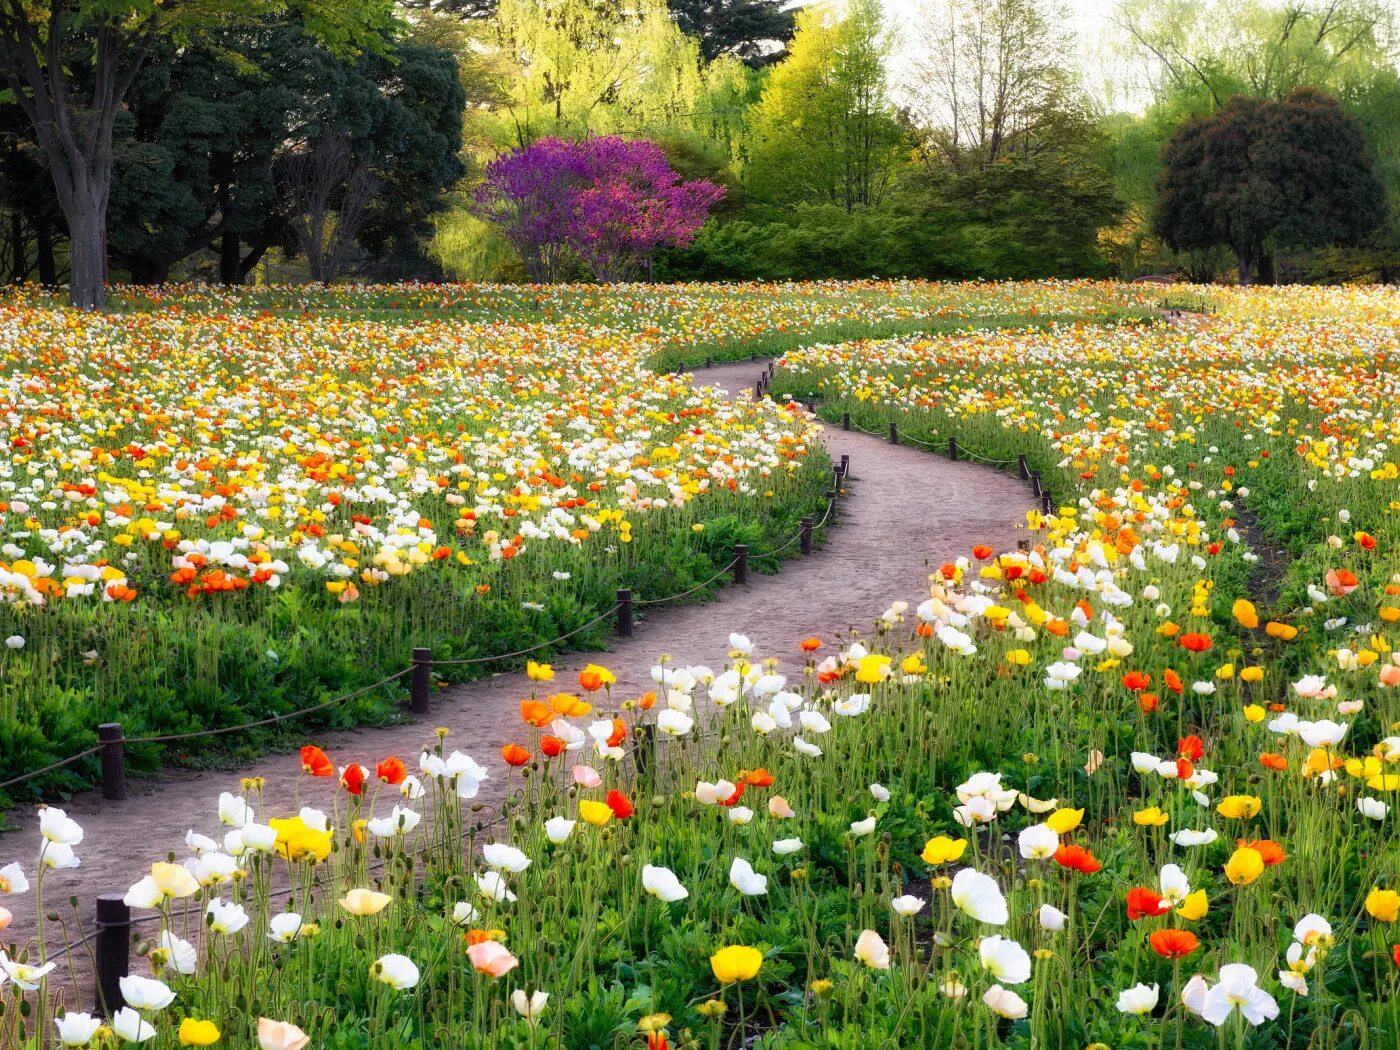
607	203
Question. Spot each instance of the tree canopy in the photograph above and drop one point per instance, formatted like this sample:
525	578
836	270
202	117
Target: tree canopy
1261	176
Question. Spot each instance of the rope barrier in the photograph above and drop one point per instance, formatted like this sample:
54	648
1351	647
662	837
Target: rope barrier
50	768
686	594
532	649
170	738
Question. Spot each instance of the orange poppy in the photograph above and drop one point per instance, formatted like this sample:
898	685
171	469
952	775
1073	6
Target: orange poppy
1271	760
391	770
1137	680
1173	944
1268	849
810	645
1197	643
551	746
1077	858
315	762
515	755
536	713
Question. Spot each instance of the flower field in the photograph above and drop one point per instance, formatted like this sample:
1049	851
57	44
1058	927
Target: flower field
218	507
1130	786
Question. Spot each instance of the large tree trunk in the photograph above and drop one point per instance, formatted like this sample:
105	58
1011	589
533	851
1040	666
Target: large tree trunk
87	237
229	258
75	136
43	238
1266	268
1249	260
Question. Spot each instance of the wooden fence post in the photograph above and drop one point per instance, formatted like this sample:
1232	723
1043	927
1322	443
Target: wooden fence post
845	464
421	683
113	755
1021	470
894	433
845	421
807	524
1036	490
624	612
741	563
952	447
112	950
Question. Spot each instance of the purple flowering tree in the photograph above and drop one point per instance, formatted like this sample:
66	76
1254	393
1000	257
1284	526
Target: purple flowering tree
606	202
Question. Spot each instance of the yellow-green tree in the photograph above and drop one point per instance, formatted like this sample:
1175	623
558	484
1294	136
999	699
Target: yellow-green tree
823	130
585	67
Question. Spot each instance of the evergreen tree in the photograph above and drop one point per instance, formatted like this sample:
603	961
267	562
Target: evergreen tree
755	31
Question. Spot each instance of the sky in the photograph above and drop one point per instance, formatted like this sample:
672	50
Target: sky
1092	27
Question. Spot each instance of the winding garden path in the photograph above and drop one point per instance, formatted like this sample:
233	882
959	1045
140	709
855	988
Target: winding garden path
904	512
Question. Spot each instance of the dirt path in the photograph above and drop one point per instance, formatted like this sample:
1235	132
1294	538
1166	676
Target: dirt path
905	510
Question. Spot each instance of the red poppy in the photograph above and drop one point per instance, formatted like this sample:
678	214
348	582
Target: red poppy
620	804
1197	643
1366	541
1184	769
391	770
1191	747
657	1040
1137	681
1077	858
982	552
1143	902
1395	954
738	793
353	777
315	762
1173	944
552	746
759	778
515	755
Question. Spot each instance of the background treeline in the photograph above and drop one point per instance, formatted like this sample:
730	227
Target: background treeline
966	144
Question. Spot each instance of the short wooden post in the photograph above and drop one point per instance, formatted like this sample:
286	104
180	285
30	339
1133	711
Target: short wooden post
113	756
624	612
807	525
1046	503
709	362
112	950
845	464
1022	471
812	407
952	447
741	563
894	433
1023	545
421	683
845	421
758	389
1036	490
836	476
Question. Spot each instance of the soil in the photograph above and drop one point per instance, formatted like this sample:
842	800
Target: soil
904	512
